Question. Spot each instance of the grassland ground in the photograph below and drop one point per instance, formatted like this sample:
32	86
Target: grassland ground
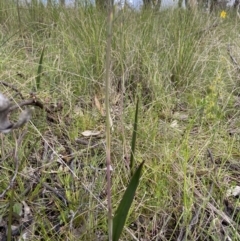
183	66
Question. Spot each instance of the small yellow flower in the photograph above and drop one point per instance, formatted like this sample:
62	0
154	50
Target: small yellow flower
223	14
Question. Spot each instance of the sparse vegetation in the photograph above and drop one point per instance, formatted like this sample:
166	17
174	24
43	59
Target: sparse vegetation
183	67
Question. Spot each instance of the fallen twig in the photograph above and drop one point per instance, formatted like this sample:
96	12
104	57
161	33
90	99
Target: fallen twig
32	102
12	87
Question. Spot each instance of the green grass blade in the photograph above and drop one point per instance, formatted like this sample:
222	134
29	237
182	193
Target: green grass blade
134	137
39	72
125	204
10	216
